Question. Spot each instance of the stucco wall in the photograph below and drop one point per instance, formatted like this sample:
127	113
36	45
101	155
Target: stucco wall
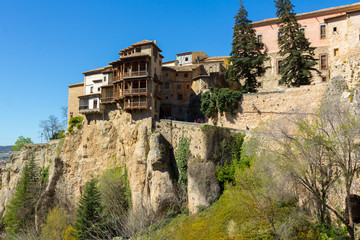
75	91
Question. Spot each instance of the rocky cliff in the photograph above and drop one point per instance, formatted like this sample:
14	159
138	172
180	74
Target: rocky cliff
147	154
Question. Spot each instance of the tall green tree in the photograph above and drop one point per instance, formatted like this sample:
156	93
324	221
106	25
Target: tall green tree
21	210
294	46
89	213
246	58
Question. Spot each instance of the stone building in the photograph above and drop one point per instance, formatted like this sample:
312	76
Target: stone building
75	90
334	32
137	79
185	78
132	83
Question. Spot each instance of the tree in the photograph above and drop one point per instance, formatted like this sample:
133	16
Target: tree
50	127
89	212
20	142
324	157
21	210
246	58
294	47
219	100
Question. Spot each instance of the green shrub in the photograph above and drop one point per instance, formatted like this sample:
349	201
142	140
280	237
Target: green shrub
181	157
45	175
58	135
75	122
55	225
20	142
115	191
232	146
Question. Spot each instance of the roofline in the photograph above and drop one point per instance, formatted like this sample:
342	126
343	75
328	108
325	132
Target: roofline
97	70
189	52
170	61
134	45
76	84
344	8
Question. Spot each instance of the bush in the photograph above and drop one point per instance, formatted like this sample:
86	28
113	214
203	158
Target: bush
181	157
233	147
56	224
20	142
58	135
75	122
115	191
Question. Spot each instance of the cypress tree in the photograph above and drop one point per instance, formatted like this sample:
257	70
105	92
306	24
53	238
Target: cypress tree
89	213
294	46
246	58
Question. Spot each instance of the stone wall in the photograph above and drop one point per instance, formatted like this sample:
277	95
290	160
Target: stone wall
259	108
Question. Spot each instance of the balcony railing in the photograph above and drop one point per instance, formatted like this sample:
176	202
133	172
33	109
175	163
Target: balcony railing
83	107
107	99
136	105
131	74
135	91
135	74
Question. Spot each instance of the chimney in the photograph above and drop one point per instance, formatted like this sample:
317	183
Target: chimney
155	41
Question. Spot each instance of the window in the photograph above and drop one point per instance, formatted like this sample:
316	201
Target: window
259	38
336	52
176	74
92	90
178	86
279	66
323	62
166	97
186	75
186	59
167	85
259	84
335	29
98	89
138	49
166	74
323	78
95	104
322	31
104	78
179	97
188	86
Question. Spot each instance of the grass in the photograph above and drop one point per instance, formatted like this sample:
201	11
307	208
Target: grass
225	219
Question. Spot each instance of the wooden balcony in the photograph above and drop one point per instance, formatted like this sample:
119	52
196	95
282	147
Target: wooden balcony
107	99
84	109
131	74
131	92
136	105
136	91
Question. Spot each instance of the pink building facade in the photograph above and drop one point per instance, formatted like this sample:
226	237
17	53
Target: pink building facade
323	28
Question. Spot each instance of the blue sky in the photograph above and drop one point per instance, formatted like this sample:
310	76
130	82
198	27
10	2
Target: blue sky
45	45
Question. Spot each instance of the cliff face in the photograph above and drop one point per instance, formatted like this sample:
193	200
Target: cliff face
87	153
